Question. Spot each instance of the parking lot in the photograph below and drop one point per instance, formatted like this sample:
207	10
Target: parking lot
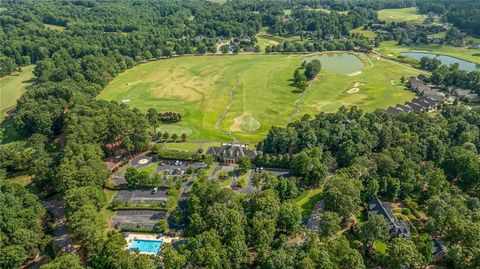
136	197
136	218
171	167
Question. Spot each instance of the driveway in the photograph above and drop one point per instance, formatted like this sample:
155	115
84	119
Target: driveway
62	238
313	222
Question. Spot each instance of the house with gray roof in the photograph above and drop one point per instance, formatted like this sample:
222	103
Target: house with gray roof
439	250
415	107
231	153
396	227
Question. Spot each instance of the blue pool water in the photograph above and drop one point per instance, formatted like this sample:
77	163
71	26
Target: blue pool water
146	246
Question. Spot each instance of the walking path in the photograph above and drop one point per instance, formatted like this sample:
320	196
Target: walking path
227	109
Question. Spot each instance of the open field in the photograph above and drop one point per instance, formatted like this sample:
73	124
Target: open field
12	87
200	87
365	33
389	48
55	27
409	15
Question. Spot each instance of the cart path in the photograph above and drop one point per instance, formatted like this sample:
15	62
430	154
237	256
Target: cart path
227	109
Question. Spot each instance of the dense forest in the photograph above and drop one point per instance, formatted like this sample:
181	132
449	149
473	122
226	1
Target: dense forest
430	161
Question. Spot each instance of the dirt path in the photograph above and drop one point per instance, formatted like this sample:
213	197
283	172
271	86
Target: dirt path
227	109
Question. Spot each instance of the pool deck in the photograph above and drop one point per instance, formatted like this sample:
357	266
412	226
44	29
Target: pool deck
143	236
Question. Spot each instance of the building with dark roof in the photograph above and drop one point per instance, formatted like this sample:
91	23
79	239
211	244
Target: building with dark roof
439	250
415	107
393	111
396	227
231	153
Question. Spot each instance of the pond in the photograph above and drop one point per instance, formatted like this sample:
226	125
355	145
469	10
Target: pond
342	63
463	65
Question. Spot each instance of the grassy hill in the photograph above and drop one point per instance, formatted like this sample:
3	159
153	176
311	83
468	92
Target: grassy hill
200	87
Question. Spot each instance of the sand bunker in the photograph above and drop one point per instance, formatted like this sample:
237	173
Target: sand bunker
353	90
125	100
143	161
355	73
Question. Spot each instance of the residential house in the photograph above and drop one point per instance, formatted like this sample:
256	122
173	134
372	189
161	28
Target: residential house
415	107
404	108
439	250
396	228
328	37
394	111
474	46
473	98
231	153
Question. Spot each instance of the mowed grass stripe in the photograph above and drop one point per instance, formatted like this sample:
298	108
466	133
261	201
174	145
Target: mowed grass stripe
199	87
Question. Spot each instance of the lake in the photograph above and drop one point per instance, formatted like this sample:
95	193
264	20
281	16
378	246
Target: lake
342	63
464	65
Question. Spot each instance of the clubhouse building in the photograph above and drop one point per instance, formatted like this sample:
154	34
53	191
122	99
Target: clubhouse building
231	153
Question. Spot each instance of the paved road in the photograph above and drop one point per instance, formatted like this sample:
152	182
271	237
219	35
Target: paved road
62	238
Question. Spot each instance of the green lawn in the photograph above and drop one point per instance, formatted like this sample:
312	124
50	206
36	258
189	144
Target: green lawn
199	87
264	40
409	15
106	212
12	87
365	33
190	146
307	200
438	35
149	169
390	48
381	247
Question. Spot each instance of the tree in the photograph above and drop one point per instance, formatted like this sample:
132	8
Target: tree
184	137
78	197
329	223
312	69
277	259
67	261
342	195
152	117
244	164
162	226
402	253
375	228
172	259
165	136
201	49
225	48
299	80
174	137
289	217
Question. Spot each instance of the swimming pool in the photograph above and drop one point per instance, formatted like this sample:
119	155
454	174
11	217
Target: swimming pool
146	246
